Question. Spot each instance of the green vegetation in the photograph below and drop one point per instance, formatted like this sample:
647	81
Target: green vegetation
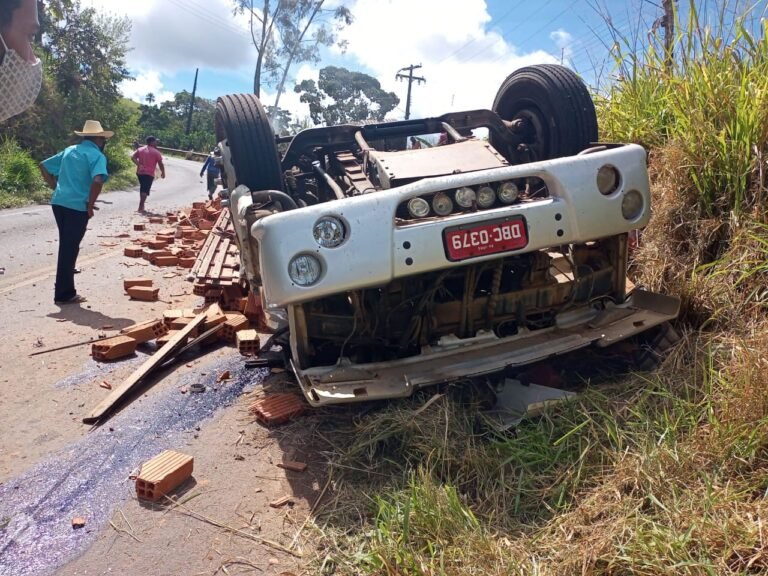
662	473
20	180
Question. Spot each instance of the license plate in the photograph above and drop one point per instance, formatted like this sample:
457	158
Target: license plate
484	238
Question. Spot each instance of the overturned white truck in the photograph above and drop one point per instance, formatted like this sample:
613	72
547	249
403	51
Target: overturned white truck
400	268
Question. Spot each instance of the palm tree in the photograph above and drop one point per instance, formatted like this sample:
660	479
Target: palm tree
150	98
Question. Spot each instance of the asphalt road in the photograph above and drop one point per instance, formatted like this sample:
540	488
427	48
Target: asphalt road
29	238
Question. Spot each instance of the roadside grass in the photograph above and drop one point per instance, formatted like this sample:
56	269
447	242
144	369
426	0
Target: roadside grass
662	473
20	180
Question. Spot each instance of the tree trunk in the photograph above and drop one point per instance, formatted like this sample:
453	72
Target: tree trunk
281	86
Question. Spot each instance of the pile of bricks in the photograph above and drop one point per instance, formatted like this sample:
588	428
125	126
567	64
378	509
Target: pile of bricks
180	244
201	240
161	330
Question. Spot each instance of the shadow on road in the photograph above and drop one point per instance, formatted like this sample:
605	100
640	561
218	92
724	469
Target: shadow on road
85	317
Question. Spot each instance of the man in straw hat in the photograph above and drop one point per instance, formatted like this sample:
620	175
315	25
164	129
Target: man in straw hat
76	175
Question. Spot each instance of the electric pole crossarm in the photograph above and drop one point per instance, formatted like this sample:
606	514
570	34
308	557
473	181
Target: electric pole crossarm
411	79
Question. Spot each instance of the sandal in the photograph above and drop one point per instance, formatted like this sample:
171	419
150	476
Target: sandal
76	299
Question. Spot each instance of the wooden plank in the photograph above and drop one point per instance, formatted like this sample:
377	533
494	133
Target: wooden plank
144	370
218	262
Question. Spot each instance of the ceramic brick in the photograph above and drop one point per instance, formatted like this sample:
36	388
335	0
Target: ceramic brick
113	348
145	293
146	331
131	282
163	474
278	408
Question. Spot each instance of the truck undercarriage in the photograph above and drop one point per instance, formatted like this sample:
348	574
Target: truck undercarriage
400	268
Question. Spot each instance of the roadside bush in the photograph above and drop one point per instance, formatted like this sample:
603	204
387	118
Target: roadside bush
20	180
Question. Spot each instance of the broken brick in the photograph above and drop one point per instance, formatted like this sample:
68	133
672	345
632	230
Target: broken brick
281	502
139	227
162	474
293	466
187	261
277	408
131	282
156	220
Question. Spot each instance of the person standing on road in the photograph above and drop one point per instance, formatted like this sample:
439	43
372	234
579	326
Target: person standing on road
21	72
147	159
76	176
211	168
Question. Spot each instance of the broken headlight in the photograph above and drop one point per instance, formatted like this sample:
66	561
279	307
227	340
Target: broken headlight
304	269
329	232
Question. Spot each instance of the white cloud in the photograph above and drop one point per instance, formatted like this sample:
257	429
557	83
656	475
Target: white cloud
146	82
464	58
463	61
564	42
172	35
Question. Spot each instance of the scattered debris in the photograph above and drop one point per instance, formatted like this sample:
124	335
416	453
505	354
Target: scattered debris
282	501
38	343
226	375
278	408
197	388
162	474
105	384
168	351
78	522
293	466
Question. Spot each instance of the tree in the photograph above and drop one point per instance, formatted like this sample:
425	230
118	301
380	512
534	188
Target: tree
168	121
149	98
285	32
353	96
84	63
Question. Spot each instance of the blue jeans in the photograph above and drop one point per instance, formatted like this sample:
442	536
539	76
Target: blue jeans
72	225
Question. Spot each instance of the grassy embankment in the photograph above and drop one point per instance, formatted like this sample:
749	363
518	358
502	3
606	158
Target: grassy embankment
663	473
21	183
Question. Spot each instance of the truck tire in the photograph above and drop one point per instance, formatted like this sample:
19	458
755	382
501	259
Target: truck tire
242	125
557	110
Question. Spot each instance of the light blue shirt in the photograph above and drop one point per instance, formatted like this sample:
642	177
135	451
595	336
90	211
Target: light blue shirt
76	167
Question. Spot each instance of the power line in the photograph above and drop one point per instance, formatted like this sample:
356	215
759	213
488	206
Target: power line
473	40
503	37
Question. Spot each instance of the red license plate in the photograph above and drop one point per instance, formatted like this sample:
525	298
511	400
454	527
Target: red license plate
481	239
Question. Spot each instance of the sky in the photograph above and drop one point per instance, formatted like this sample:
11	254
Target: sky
465	47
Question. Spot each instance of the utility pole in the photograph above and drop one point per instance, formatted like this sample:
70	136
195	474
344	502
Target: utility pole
192	103
411	78
668	23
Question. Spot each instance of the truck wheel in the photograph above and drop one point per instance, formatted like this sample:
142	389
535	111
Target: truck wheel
243	127
556	113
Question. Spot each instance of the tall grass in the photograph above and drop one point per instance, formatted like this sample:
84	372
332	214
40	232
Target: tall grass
710	104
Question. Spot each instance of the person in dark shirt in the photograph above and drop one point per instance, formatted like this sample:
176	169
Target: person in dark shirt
211	168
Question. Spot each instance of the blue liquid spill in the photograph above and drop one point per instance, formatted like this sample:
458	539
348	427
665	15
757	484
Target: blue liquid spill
90	478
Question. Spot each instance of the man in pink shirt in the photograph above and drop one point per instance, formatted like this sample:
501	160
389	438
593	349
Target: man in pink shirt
147	159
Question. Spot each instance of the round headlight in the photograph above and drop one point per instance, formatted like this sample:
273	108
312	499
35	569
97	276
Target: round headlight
465	197
608	180
632	205
329	232
442	204
508	192
486	197
304	269
418	207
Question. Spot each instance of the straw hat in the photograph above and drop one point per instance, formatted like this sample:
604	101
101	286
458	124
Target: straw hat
93	128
